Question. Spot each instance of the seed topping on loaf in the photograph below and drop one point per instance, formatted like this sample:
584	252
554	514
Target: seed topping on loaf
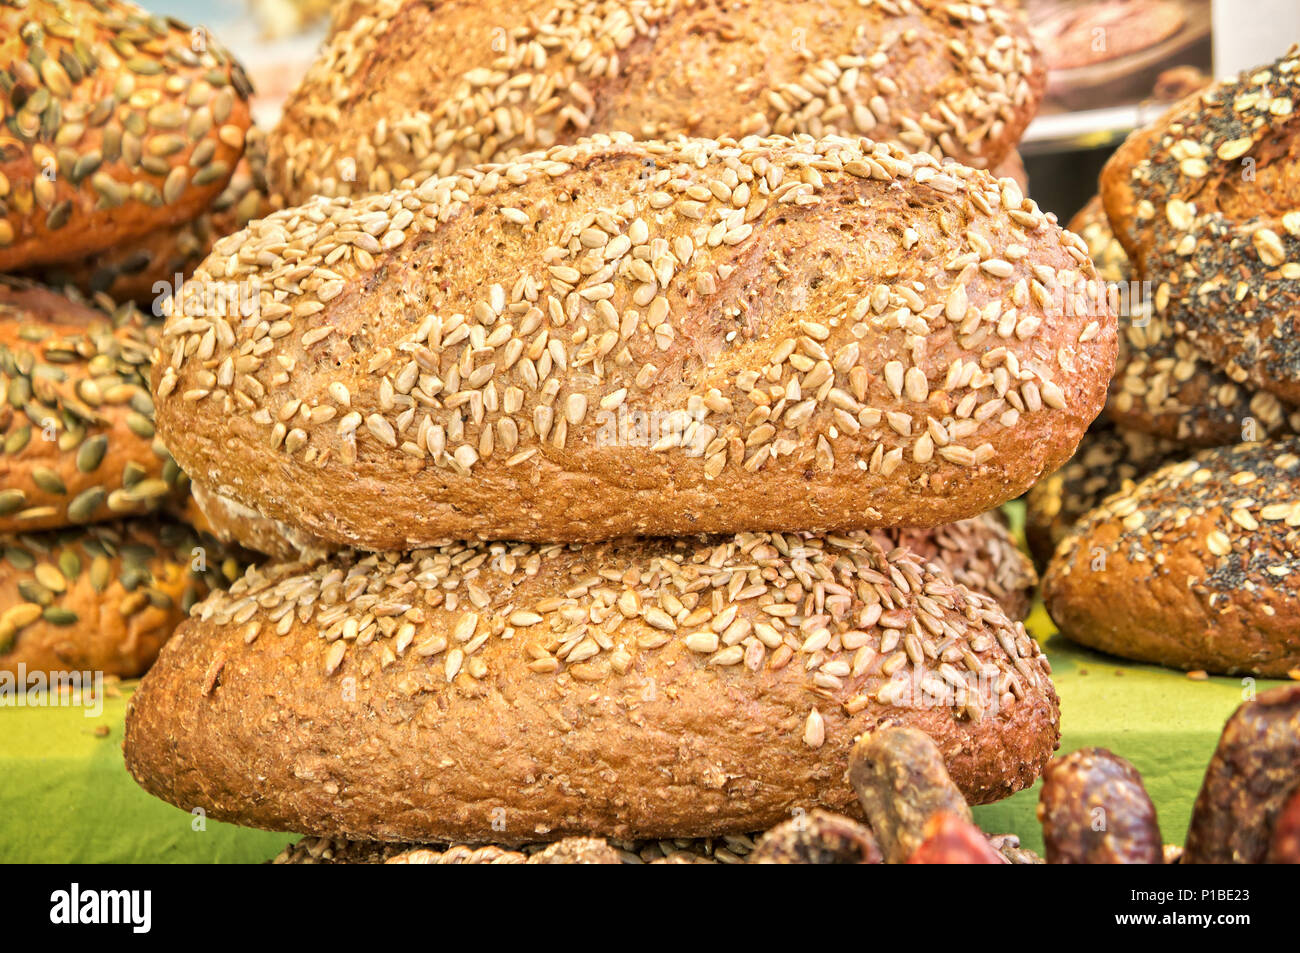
548	72
862	624
108	107
612	305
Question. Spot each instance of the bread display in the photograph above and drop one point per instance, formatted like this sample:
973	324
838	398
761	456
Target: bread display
146	269
1108	460
1255	771
657	688
1207	203
1163	385
101	598
644	345
1195	567
76	415
117	123
409	88
1095	810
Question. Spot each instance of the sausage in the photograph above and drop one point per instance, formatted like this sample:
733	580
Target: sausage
951	839
1285	845
1250	777
1094	810
901	781
817	838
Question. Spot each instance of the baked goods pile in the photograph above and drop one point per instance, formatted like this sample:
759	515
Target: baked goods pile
1201	549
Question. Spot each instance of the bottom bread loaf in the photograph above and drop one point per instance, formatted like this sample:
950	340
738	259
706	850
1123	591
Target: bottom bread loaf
510	693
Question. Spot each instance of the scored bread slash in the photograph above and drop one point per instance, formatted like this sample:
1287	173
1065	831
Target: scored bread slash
1248	782
414	88
699	371
590	649
1095	810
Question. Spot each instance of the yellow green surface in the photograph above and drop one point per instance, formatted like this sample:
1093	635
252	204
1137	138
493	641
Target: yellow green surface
65	795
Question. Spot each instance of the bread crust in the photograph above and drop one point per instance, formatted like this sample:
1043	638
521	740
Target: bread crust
77	441
414	88
1199	565
123	123
714	373
481	694
1207	204
101	598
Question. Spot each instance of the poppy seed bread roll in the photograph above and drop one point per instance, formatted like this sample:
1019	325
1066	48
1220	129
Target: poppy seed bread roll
1195	567
507	693
117	123
640	338
409	88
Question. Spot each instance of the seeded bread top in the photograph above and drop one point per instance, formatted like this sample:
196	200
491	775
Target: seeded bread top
76	415
1207	203
418	87
817	307
117	122
1163	384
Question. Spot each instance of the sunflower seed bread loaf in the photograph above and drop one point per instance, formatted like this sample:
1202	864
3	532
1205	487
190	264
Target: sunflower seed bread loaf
412	88
118	122
77	442
1207	204
640	338
1196	567
650	688
101	598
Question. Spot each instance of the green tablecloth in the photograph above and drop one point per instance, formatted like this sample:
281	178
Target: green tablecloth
65	796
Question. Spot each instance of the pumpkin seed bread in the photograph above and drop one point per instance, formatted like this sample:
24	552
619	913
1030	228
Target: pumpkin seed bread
76	417
1163	385
640	689
1207	203
1195	567
621	337
412	88
146	269
101	598
117	122
1108	460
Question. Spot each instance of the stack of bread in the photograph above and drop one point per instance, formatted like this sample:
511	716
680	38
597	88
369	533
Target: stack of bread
633	418
1201	550
124	156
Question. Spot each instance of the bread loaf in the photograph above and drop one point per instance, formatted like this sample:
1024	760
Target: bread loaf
653	688
1196	567
135	270
1163	385
623	337
101	598
234	524
1207	203
118	122
76	417
411	87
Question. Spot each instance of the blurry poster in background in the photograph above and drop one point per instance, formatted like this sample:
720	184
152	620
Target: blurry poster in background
1107	53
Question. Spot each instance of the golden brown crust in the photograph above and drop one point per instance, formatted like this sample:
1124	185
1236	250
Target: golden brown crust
636	346
137	270
1207	204
77	441
657	688
117	123
101	598
1195	568
414	88
1107	461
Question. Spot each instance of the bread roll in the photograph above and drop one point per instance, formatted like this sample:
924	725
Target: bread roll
101	598
627	338
1196	567
1207	203
407	89
77	441
508	693
117	123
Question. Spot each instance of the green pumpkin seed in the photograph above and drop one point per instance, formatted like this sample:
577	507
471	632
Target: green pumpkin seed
20	559
101	573
84	505
11	501
69	564
17	440
91	454
57	615
49	481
